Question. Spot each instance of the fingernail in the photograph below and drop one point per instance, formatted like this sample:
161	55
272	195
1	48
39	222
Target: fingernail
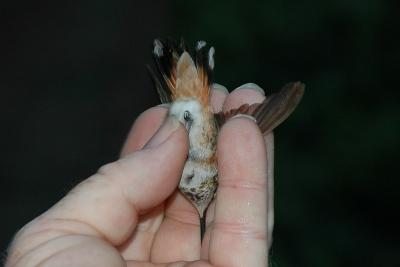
165	105
251	86
244	116
170	125
221	88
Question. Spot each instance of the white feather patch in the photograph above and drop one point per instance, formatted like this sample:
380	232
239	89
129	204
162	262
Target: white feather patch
211	57
158	48
200	45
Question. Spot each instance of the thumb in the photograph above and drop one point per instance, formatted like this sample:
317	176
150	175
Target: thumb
108	204
112	199
153	173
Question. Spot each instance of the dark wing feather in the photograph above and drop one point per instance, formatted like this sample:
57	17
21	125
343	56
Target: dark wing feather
273	111
166	55
165	95
203	57
245	109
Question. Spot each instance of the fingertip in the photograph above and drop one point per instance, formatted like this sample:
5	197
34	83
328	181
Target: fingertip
246	94
167	147
251	86
144	127
169	126
177	141
219	87
156	169
218	95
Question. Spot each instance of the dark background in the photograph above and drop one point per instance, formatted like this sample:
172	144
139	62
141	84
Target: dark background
73	79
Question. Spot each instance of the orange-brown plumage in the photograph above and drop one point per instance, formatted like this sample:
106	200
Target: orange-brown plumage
191	81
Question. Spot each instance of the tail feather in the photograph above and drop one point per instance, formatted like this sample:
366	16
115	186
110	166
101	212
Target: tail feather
205	63
167	55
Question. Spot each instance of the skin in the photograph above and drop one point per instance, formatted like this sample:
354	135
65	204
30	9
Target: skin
113	219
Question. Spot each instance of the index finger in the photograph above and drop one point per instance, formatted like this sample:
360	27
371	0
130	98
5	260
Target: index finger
240	222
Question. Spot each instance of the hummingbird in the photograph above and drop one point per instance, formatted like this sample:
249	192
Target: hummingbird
184	83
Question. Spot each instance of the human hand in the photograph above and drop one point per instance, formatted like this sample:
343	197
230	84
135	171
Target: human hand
130	212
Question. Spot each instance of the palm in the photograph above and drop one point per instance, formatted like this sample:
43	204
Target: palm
168	233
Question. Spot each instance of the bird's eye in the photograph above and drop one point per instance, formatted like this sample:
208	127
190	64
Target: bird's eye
187	116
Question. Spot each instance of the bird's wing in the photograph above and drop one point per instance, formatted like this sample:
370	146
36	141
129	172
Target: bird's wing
166	55
272	112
